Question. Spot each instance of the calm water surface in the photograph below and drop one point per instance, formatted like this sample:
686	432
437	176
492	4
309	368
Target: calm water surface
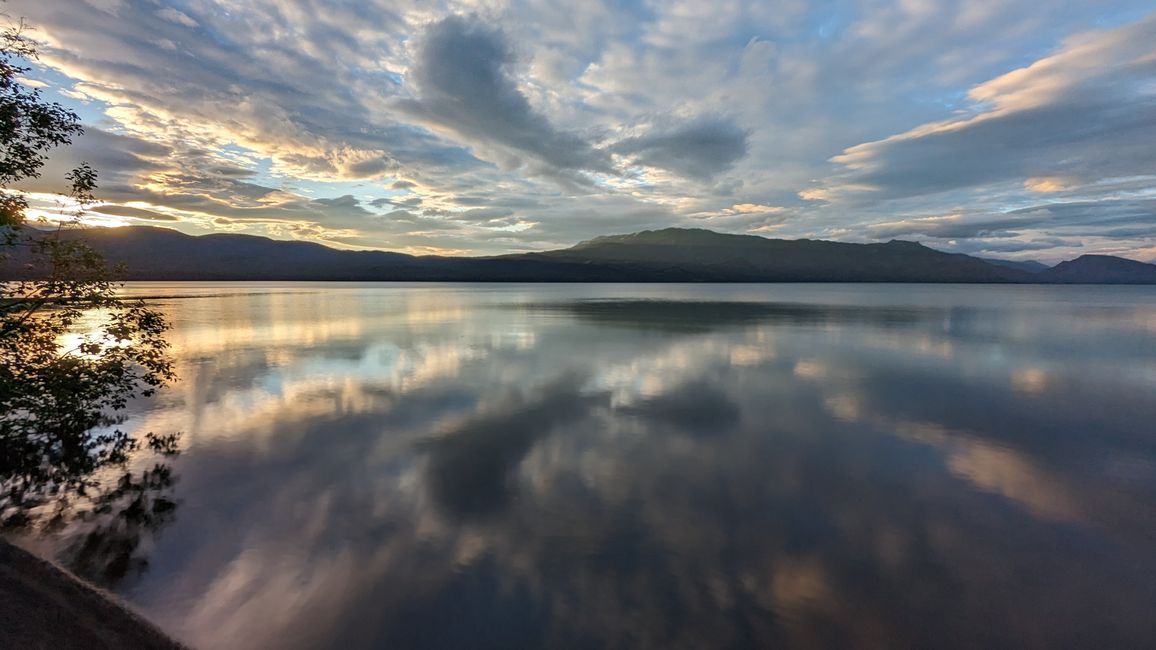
641	466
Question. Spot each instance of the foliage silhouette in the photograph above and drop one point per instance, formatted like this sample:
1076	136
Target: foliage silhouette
72	356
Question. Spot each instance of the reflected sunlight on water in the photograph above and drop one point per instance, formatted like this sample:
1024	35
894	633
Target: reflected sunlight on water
655	466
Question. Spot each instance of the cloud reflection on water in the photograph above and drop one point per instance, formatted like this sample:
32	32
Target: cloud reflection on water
433	468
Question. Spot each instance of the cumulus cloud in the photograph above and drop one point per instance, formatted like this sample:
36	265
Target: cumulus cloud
464	80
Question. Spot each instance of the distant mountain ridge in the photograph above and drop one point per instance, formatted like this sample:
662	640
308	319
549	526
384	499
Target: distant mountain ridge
1107	269
748	258
668	255
1031	266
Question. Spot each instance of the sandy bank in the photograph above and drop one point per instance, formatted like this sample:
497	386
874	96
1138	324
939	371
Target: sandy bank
42	606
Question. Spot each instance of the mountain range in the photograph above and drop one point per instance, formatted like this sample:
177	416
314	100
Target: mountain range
669	255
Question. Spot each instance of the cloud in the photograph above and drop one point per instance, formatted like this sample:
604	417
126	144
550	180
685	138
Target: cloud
120	161
957	226
346	201
464	81
1049	232
1016	246
698	408
603	117
699	149
135	213
411	202
1049	184
1081	115
302	91
470	467
176	16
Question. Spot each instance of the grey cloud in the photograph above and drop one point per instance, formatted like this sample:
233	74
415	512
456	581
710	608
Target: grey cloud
135	213
231	171
956	228
483	214
1030	245
1086	142
471	200
698	149
1082	115
569	222
516	202
304	87
404	222
117	159
464	80
1127	232
1106	211
371	168
345	201
411	202
1090	217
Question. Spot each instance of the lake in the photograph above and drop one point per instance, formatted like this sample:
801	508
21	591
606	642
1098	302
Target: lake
646	466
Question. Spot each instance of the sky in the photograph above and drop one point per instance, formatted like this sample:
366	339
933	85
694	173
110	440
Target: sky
1021	129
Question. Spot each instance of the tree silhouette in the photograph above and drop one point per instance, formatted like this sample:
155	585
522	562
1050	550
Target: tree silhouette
72	353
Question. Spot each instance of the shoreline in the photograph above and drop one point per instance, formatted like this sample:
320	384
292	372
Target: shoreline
45	606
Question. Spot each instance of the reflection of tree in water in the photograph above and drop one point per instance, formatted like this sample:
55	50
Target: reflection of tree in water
72	353
72	356
139	504
96	490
